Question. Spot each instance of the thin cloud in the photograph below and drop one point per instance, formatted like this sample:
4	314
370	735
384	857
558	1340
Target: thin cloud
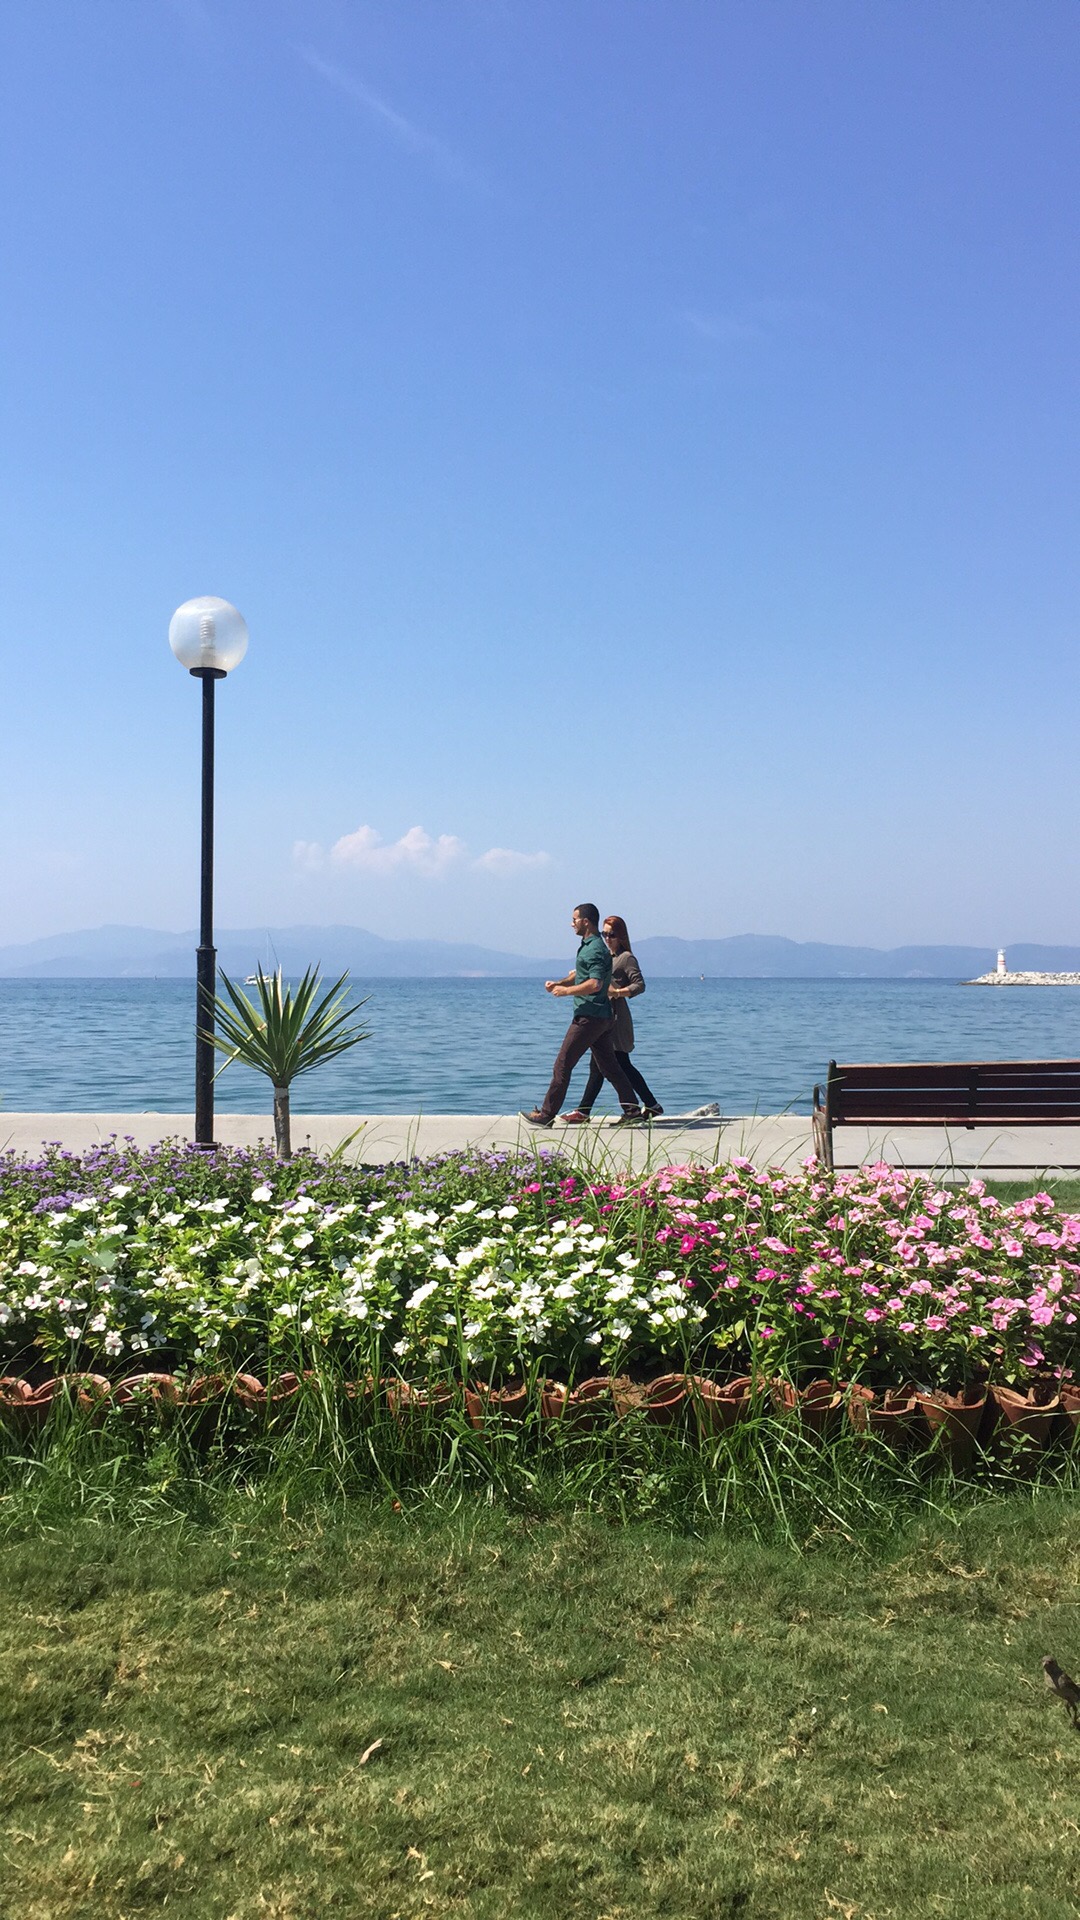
404	131
505	861
417	852
755	320
309	855
725	328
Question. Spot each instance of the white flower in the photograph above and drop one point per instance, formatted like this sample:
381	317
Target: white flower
468	1256
400	1347
465	1206
471	1329
626	1260
119	1192
421	1294
593	1339
113	1343
620	1330
508	1213
303	1240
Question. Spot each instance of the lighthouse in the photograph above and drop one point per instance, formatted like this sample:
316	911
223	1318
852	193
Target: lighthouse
1001	967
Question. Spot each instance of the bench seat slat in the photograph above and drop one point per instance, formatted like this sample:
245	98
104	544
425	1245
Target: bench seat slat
934	1099
957	1118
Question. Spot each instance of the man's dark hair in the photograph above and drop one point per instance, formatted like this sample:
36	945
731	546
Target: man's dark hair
592	914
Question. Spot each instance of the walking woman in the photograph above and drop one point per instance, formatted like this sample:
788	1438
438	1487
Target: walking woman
626	983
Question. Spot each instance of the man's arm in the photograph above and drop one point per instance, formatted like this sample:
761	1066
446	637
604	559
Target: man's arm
562	988
553	986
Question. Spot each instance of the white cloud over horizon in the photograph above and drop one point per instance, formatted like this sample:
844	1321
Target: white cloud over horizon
416	852
506	860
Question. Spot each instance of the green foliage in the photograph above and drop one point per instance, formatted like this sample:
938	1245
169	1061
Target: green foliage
289	1032
506	1265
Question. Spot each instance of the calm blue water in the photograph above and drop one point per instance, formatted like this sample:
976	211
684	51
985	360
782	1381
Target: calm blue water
486	1046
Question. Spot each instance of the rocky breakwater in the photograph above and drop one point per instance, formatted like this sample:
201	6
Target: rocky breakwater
1025	980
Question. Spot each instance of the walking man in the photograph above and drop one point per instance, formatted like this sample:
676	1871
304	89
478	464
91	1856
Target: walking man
591	1026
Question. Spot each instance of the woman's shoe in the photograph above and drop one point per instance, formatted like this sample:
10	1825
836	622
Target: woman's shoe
576	1119
652	1113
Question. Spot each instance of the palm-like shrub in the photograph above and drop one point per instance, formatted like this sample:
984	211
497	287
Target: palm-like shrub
285	1033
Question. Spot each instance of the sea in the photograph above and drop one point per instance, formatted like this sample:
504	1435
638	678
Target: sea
486	1046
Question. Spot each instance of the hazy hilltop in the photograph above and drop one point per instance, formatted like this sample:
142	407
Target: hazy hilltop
145	953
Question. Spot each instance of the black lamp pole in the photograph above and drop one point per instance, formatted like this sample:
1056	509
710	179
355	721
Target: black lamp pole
209	637
206	952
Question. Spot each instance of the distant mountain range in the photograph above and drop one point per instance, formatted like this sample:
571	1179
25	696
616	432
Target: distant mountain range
143	953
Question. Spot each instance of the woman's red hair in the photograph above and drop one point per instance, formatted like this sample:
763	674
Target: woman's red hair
614	923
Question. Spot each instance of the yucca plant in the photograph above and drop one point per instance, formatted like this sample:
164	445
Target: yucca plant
285	1034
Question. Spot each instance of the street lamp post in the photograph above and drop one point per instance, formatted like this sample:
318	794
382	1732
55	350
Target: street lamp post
209	637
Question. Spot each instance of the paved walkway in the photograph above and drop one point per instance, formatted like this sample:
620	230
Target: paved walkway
768	1140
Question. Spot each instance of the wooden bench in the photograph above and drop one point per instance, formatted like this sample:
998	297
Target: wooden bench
994	1093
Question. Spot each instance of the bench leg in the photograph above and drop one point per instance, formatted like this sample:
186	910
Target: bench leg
823	1145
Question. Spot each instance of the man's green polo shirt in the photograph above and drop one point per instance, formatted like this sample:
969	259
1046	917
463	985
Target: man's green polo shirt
593	963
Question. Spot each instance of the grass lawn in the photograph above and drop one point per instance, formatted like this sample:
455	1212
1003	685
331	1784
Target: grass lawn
392	1716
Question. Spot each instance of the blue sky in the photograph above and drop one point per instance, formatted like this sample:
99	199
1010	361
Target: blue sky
641	436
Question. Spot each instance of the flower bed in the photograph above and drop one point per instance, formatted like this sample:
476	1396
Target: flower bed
496	1268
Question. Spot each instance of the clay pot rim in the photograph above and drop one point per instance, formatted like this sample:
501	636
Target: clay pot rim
967	1400
1012	1397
